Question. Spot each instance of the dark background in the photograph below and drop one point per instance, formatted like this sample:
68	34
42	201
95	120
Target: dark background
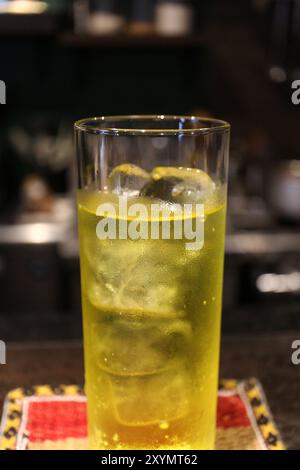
238	64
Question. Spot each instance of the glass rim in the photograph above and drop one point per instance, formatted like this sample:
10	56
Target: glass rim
89	125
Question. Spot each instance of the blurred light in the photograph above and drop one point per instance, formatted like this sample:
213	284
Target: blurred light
23	7
294	167
278	283
278	74
36	233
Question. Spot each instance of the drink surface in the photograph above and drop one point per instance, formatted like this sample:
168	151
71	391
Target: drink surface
151	312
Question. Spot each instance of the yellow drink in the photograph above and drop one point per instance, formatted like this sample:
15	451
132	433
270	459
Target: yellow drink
151	311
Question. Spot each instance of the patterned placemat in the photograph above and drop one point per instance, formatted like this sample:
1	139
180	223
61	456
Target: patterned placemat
46	417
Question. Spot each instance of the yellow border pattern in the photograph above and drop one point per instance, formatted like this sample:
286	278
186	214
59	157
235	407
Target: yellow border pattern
263	416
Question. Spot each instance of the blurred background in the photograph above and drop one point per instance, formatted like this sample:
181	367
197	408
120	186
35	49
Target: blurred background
63	60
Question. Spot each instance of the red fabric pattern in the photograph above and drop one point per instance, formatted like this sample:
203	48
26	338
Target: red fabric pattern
232	412
56	420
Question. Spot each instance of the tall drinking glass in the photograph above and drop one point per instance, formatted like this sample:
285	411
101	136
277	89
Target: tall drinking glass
151	205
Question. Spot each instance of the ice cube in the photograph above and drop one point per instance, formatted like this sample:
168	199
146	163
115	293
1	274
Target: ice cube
187	192
127	180
151	399
161	188
186	185
135	277
136	346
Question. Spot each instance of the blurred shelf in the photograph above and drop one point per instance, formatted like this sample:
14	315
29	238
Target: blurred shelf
19	26
258	243
29	25
131	40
